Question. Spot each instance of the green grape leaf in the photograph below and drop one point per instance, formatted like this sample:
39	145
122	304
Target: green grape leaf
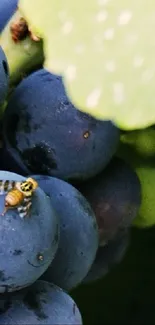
105	50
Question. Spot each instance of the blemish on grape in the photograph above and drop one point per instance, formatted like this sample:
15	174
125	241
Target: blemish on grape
40	257
86	134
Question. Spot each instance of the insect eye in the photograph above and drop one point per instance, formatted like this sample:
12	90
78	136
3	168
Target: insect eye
30	187
26	186
22	186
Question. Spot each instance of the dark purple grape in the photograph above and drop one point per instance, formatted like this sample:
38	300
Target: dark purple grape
42	303
108	256
4	76
27	245
8	163
47	135
78	233
7	8
115	196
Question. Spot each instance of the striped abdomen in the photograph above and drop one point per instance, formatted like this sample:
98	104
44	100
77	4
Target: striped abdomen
14	198
6	186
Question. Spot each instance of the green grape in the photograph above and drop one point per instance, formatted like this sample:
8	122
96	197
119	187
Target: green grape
146	215
22	56
143	141
105	51
144	165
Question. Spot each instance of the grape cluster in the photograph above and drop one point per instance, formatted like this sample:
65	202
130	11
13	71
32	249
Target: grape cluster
78	224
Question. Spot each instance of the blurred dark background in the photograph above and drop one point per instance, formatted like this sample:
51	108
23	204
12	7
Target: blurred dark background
126	295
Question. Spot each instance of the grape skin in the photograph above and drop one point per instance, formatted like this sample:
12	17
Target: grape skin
44	132
108	256
78	233
7	8
42	303
115	196
4	76
23	241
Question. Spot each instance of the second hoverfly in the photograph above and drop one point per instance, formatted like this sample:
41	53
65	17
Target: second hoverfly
18	195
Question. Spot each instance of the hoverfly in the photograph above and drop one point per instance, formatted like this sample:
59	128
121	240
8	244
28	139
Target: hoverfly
18	195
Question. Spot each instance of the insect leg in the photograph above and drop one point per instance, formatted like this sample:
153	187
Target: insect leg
6	208
24	208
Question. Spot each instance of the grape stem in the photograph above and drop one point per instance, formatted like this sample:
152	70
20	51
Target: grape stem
23	55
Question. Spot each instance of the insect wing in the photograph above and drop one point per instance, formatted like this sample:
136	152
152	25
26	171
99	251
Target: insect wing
24	207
